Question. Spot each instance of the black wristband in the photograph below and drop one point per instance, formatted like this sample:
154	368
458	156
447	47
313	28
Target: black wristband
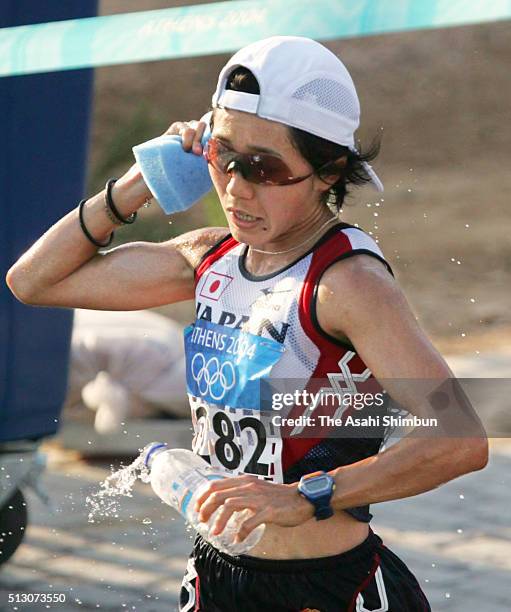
88	235
110	203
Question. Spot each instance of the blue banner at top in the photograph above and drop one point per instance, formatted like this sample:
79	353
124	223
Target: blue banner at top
222	27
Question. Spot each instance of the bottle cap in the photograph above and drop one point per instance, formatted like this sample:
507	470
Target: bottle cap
150	450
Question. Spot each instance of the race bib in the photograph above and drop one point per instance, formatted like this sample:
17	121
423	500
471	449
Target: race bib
225	369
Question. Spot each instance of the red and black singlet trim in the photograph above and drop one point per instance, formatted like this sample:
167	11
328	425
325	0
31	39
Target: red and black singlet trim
213	254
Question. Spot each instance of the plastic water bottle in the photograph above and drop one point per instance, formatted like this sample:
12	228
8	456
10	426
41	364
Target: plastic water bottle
176	178
178	476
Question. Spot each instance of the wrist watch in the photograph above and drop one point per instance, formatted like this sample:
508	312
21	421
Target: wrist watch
318	488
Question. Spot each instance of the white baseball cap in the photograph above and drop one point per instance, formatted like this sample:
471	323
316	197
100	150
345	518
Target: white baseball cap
302	84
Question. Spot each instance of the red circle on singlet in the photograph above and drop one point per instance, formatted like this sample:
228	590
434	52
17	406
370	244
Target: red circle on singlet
214	286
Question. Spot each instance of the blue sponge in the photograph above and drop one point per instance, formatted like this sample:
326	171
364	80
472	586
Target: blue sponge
176	178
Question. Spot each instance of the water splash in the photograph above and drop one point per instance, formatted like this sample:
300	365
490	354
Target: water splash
105	503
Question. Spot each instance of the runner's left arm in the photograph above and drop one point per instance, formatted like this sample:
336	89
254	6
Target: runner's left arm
381	325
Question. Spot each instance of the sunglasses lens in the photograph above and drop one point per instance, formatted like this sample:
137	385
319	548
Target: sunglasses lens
269	169
259	169
218	156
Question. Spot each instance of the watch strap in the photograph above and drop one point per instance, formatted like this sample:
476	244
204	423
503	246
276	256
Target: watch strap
323	512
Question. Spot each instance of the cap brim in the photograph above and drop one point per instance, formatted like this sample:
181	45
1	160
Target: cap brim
375	179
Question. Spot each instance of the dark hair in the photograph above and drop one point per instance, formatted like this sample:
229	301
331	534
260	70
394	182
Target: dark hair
317	151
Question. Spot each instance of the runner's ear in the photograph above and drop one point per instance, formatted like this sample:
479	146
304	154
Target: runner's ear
331	172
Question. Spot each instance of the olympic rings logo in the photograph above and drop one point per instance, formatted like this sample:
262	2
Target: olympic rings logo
212	378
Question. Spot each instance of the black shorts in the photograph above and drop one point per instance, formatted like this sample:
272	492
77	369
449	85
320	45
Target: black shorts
369	577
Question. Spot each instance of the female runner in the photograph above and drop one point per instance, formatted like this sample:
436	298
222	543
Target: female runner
307	296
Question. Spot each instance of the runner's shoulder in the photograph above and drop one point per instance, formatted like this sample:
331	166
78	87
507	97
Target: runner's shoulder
195	244
354	291
356	278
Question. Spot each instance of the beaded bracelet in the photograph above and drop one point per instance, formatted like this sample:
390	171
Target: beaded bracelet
110	206
86	232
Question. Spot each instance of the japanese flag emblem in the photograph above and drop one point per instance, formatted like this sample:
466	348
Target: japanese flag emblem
214	285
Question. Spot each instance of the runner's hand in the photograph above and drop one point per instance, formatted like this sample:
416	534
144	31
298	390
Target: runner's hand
280	504
191	133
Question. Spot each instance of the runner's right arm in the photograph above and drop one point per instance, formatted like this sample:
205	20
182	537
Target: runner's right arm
64	269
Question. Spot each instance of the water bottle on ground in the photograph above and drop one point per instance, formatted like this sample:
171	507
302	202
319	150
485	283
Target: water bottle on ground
178	476
176	178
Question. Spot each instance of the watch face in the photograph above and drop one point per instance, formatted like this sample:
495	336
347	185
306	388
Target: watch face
317	486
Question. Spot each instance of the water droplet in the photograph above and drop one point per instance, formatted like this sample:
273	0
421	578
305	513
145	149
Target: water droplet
472	300
447	595
120	483
375	214
459	530
147	521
